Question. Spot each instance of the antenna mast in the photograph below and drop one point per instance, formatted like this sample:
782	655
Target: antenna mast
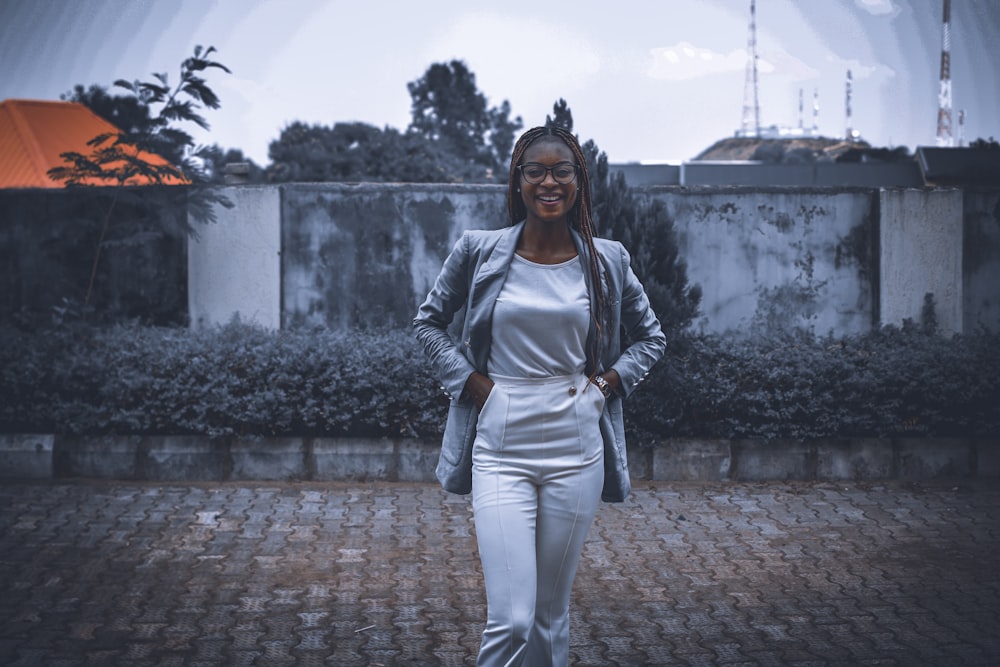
849	134
944	134
800	109
750	86
815	129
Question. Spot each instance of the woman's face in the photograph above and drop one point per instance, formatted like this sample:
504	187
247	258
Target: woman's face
548	200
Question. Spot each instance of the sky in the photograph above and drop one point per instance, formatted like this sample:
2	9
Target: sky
648	81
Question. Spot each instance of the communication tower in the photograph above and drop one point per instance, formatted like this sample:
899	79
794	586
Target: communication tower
750	126
849	134
801	127
816	111
944	134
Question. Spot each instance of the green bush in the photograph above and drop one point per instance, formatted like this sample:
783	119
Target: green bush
236	379
891	382
244	380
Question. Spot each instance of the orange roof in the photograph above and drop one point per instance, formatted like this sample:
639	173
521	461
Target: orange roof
34	133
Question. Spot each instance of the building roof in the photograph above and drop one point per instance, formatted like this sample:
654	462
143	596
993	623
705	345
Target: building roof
747	148
960	166
34	133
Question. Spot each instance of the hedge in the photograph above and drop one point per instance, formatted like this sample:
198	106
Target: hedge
243	380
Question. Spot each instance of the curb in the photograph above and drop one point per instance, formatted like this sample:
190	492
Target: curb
197	458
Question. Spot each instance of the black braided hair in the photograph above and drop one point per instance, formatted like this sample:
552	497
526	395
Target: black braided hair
580	218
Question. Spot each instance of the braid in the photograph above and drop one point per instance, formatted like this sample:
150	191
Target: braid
580	219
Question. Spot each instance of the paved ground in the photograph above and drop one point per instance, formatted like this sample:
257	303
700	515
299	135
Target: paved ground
113	573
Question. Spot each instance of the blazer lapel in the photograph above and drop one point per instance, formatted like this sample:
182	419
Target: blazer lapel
486	286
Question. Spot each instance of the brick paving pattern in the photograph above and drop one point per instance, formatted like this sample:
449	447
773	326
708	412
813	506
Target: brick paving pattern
120	573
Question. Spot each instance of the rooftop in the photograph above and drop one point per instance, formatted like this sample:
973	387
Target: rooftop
34	134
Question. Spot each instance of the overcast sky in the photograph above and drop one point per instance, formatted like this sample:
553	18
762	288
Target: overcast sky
656	80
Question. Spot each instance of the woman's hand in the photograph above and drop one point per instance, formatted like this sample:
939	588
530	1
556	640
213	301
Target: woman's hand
614	380
478	388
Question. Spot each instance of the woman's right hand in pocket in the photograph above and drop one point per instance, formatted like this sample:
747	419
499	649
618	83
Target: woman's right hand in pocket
478	388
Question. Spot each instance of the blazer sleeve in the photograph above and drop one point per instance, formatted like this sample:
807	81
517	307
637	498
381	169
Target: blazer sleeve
448	295
642	329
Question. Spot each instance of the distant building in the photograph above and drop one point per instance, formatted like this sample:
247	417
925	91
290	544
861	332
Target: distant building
34	134
950	167
788	159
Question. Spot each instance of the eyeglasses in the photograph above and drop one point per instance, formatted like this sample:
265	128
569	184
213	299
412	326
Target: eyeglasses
534	172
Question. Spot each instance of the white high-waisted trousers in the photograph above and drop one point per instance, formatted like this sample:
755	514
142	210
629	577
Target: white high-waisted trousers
537	473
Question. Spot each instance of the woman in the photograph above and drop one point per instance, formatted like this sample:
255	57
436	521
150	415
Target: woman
535	426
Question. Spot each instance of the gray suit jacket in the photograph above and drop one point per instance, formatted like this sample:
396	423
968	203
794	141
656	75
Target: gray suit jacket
471	278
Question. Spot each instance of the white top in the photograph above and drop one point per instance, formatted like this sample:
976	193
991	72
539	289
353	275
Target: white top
540	320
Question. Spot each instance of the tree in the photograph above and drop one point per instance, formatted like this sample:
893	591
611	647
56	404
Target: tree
454	137
126	112
990	144
129	114
448	108
215	158
561	116
151	149
501	135
645	228
317	153
354	152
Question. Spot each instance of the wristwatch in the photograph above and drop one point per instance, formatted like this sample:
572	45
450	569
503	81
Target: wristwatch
603	385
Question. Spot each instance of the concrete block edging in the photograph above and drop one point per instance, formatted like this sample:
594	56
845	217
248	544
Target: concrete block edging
197	458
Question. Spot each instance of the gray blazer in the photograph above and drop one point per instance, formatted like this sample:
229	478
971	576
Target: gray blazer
471	279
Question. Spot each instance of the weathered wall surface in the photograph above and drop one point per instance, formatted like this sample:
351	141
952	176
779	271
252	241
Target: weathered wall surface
235	264
338	255
778	258
981	260
921	254
823	259
366	255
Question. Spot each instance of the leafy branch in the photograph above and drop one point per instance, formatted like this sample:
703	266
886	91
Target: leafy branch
157	153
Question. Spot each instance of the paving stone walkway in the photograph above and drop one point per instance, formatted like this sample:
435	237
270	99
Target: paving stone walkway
343	574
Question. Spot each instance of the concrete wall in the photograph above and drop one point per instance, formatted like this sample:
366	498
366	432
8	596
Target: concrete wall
825	174
647	174
835	260
337	255
921	253
366	255
196	458
981	260
234	265
779	257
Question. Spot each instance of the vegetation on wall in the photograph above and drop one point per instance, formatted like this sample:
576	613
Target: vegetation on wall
243	380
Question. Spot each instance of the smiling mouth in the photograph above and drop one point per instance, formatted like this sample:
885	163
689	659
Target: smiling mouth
549	199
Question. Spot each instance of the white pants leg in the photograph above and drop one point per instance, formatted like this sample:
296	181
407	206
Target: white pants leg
538	470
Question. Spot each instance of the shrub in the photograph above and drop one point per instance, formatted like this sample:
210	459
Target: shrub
236	379
244	380
891	382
